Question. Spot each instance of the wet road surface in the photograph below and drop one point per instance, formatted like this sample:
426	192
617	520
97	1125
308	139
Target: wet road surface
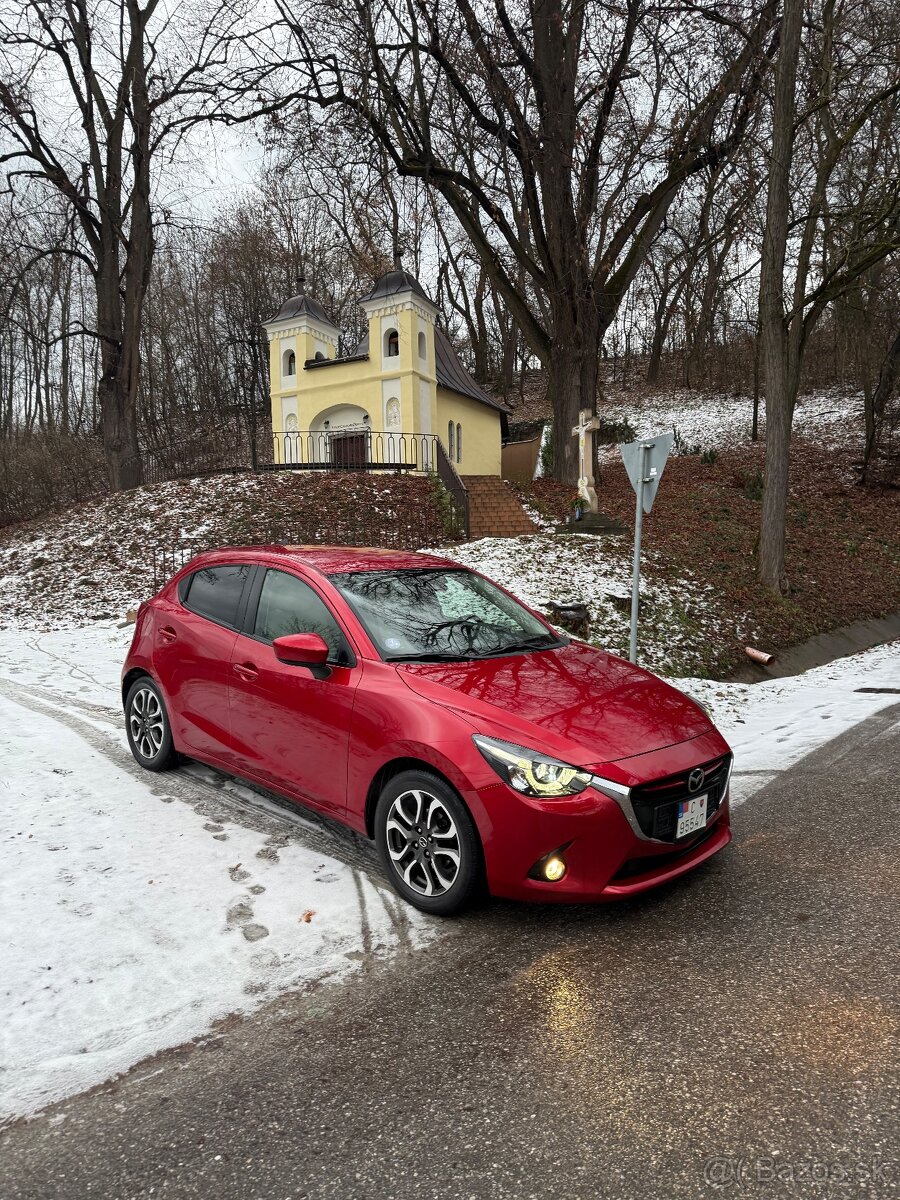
735	1033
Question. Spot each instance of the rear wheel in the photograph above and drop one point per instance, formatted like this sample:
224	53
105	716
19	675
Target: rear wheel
428	843
147	726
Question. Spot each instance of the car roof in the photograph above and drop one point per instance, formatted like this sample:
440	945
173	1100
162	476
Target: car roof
330	560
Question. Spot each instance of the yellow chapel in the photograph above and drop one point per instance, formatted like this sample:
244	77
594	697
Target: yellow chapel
386	404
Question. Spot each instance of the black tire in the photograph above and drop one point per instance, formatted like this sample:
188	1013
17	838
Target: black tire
428	849
147	726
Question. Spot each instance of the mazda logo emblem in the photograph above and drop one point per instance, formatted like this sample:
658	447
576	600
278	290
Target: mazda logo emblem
695	779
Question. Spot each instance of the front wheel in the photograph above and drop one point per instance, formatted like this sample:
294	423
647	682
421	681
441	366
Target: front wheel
147	726
428	843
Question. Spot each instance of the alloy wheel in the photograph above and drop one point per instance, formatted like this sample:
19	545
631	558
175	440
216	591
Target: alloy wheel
423	843
146	722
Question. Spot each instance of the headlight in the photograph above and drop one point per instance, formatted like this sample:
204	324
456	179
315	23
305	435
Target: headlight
529	771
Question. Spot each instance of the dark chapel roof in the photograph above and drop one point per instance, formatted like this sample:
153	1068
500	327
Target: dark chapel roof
393	283
303	306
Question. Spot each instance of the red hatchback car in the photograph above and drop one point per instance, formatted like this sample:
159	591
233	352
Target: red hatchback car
424	706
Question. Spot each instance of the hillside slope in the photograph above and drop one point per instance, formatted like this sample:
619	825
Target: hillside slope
97	560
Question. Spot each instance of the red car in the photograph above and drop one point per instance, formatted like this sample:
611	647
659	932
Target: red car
424	706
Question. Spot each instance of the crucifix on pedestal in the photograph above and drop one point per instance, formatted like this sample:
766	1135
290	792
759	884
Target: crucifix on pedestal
587	423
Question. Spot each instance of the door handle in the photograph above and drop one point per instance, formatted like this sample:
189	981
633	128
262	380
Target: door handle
246	671
167	633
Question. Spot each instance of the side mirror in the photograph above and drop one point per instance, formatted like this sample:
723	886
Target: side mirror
301	649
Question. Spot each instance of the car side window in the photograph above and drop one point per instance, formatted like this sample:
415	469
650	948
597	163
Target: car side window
288	605
215	592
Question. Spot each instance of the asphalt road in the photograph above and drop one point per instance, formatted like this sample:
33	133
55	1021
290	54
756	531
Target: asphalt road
735	1033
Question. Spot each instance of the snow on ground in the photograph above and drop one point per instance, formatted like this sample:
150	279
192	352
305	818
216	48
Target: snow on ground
140	909
772	725
719	421
677	619
95	560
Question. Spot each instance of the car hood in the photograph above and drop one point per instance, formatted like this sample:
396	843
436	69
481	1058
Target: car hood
576	702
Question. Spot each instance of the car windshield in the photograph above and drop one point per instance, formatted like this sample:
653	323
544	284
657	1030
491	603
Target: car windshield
437	614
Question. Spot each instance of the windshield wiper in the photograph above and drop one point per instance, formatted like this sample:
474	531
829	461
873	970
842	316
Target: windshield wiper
539	642
542	641
431	656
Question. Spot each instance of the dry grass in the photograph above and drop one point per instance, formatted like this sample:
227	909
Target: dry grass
843	541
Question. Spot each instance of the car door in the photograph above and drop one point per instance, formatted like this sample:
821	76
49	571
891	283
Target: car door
290	727
194	636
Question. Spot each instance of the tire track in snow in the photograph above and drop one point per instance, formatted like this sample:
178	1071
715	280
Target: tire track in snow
211	794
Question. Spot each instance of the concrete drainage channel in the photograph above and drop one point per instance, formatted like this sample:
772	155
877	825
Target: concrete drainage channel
825	648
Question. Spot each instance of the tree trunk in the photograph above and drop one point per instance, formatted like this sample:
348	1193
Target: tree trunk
116	388
780	379
660	334
757	348
572	374
655	360
775	492
481	341
118	415
507	370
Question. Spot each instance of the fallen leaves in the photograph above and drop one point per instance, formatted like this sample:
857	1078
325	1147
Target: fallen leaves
843	546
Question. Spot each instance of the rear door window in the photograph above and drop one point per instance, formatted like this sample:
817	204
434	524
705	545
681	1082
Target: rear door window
215	592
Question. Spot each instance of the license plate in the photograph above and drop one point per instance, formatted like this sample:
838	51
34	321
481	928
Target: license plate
691	816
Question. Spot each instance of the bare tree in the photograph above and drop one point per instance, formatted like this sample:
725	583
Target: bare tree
830	155
575	114
94	100
773	330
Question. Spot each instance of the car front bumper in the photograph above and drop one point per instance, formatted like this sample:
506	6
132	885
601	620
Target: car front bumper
607	856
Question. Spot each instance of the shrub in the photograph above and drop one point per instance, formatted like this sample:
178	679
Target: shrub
611	433
752	486
681	446
46	472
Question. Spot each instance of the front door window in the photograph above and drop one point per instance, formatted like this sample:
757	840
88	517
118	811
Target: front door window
288	605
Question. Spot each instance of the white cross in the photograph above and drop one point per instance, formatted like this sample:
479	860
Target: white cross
586	424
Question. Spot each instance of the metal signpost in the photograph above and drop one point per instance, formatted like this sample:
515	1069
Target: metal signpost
644	461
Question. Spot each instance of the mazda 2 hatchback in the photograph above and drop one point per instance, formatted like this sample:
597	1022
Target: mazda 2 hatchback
425	707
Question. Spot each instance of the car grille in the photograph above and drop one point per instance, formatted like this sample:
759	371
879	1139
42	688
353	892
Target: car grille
656	804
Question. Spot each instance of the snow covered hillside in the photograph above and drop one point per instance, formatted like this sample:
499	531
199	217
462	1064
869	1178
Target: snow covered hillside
678	617
97	561
713	420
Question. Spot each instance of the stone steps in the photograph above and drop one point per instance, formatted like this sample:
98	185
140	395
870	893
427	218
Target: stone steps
494	508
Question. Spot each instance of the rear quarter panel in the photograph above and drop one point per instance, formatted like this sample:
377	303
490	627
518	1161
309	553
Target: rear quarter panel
139	655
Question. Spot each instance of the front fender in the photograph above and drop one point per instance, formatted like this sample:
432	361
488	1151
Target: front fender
390	723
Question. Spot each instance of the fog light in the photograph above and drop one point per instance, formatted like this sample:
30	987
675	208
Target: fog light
554	869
